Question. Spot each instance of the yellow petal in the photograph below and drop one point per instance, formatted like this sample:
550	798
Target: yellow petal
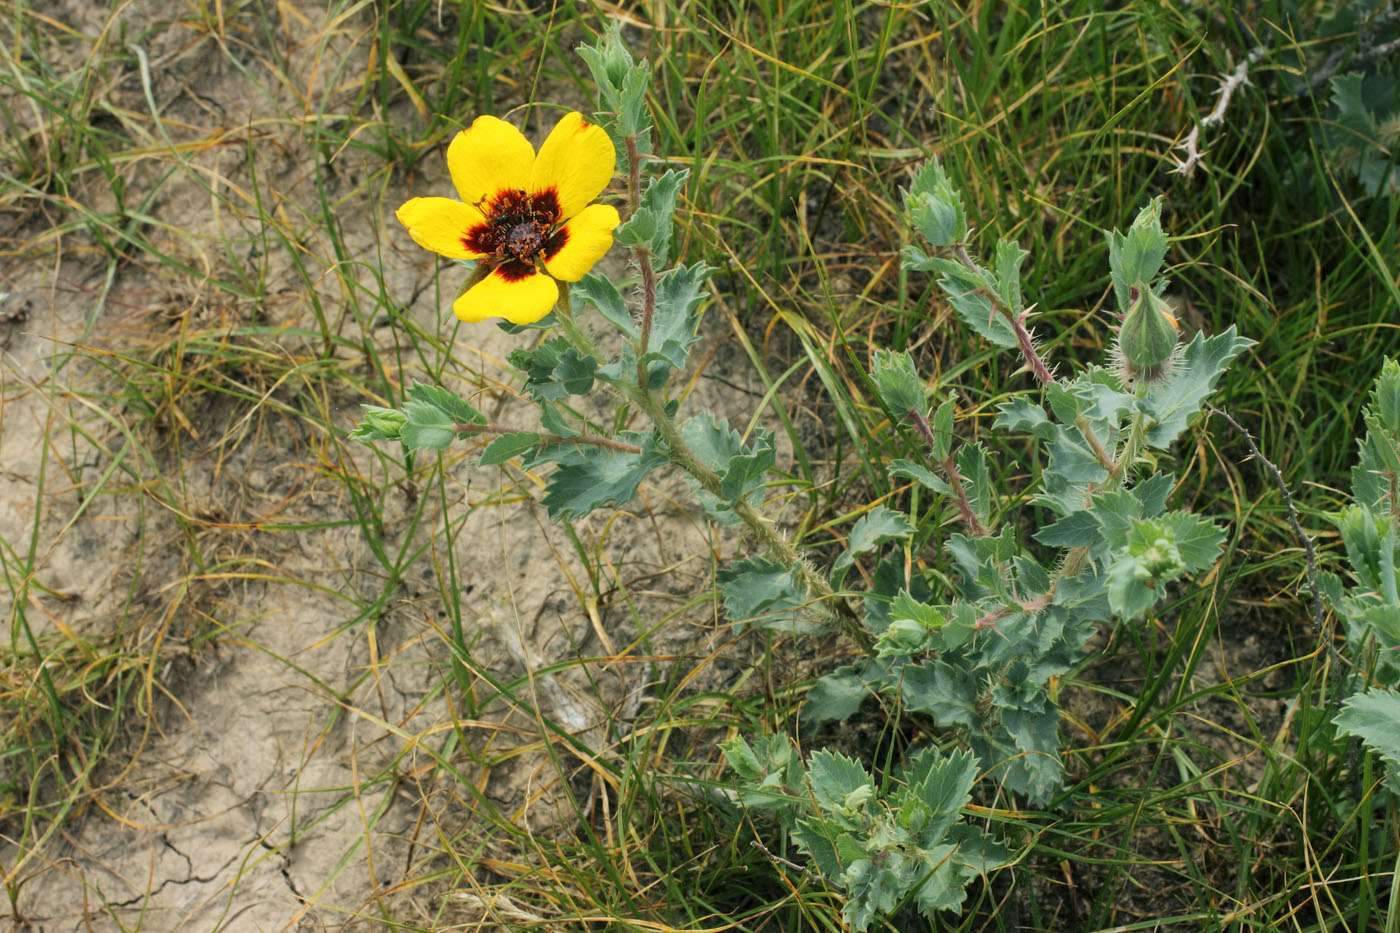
442	225
576	162
506	292
487	157
572	251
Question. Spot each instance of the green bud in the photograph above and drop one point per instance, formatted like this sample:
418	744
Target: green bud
1149	332
903	637
380	424
609	60
1160	561
857	798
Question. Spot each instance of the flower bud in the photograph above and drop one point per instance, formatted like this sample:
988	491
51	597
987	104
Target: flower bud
903	637
380	424
1149	332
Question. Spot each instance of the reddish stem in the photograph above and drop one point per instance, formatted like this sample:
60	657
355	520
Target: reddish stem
950	469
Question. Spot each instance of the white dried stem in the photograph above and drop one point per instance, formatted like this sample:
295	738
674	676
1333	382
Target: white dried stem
1229	84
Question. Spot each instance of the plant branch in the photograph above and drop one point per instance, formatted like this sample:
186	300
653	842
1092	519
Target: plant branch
1025	339
596	440
1229	84
773	540
950	469
643	255
1105	460
1077	557
1308	546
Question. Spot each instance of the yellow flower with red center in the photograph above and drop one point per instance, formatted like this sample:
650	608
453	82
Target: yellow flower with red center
527	218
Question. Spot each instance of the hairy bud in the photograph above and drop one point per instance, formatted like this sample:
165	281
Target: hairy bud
1148	336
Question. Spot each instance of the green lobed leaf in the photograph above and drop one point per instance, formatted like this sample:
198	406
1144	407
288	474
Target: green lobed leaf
944	786
908	469
971	461
589	476
898	382
652	223
742	469
602	294
452	407
674	323
1171	402
742	759
427	437
1007	262
1372	717
943	427
508	446
427	427
763	592
621	81
872	529
554	370
818	839
835	696
1379	461
935	207
835	780
970	295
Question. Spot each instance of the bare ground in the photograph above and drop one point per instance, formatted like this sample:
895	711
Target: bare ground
292	757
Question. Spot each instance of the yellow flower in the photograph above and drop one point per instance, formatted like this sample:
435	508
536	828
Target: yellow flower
520	211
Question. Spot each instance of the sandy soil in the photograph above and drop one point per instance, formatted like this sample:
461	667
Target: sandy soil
299	761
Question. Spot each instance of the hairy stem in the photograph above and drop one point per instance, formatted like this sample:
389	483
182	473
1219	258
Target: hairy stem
594	440
1117	473
773	540
1025	339
950	470
564	314
643	256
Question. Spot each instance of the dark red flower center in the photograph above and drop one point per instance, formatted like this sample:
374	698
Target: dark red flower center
517	226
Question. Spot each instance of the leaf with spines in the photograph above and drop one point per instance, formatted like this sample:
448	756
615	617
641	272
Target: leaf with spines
554	370
839	784
622	87
652	223
1172	402
898	382
942	785
602	294
742	470
971	293
762	592
590	476
872	529
1007	262
1156	552
935	206
675	322
908	469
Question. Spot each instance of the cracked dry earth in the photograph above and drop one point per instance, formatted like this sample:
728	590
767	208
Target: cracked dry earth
289	759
